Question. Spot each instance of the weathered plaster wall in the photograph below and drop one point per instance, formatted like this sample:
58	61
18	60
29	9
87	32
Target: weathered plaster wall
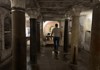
85	29
4	53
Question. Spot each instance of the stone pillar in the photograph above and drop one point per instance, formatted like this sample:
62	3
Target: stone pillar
66	38
18	35
33	41
75	35
95	39
33	36
38	36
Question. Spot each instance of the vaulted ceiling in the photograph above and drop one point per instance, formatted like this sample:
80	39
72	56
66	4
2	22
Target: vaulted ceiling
56	9
51	9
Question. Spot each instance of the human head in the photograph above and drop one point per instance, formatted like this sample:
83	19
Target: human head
56	25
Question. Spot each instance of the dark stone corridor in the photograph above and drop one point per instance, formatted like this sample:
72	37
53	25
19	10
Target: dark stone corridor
47	60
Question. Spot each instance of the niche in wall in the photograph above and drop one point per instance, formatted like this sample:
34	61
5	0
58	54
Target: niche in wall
7	32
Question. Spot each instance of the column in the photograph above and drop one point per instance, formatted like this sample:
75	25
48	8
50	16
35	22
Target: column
33	41
33	36
75	35
95	39
18	35
38	36
66	40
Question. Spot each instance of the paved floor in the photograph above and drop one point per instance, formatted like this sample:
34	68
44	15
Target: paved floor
47	60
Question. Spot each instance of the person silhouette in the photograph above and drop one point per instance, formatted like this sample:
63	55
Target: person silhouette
57	34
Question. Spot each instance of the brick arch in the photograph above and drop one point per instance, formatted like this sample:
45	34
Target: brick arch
49	26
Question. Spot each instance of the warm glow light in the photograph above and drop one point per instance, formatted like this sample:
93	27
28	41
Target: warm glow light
89	16
86	21
47	26
45	23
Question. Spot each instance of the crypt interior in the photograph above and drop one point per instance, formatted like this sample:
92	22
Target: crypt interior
25	34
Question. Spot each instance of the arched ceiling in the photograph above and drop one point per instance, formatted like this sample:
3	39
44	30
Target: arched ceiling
5	4
51	9
56	9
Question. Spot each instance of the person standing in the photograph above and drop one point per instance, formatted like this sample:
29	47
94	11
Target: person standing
57	33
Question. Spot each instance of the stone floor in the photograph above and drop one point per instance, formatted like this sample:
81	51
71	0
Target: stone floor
47	60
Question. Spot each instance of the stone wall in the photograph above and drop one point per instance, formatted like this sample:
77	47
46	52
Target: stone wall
85	29
87	40
5	34
2	13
